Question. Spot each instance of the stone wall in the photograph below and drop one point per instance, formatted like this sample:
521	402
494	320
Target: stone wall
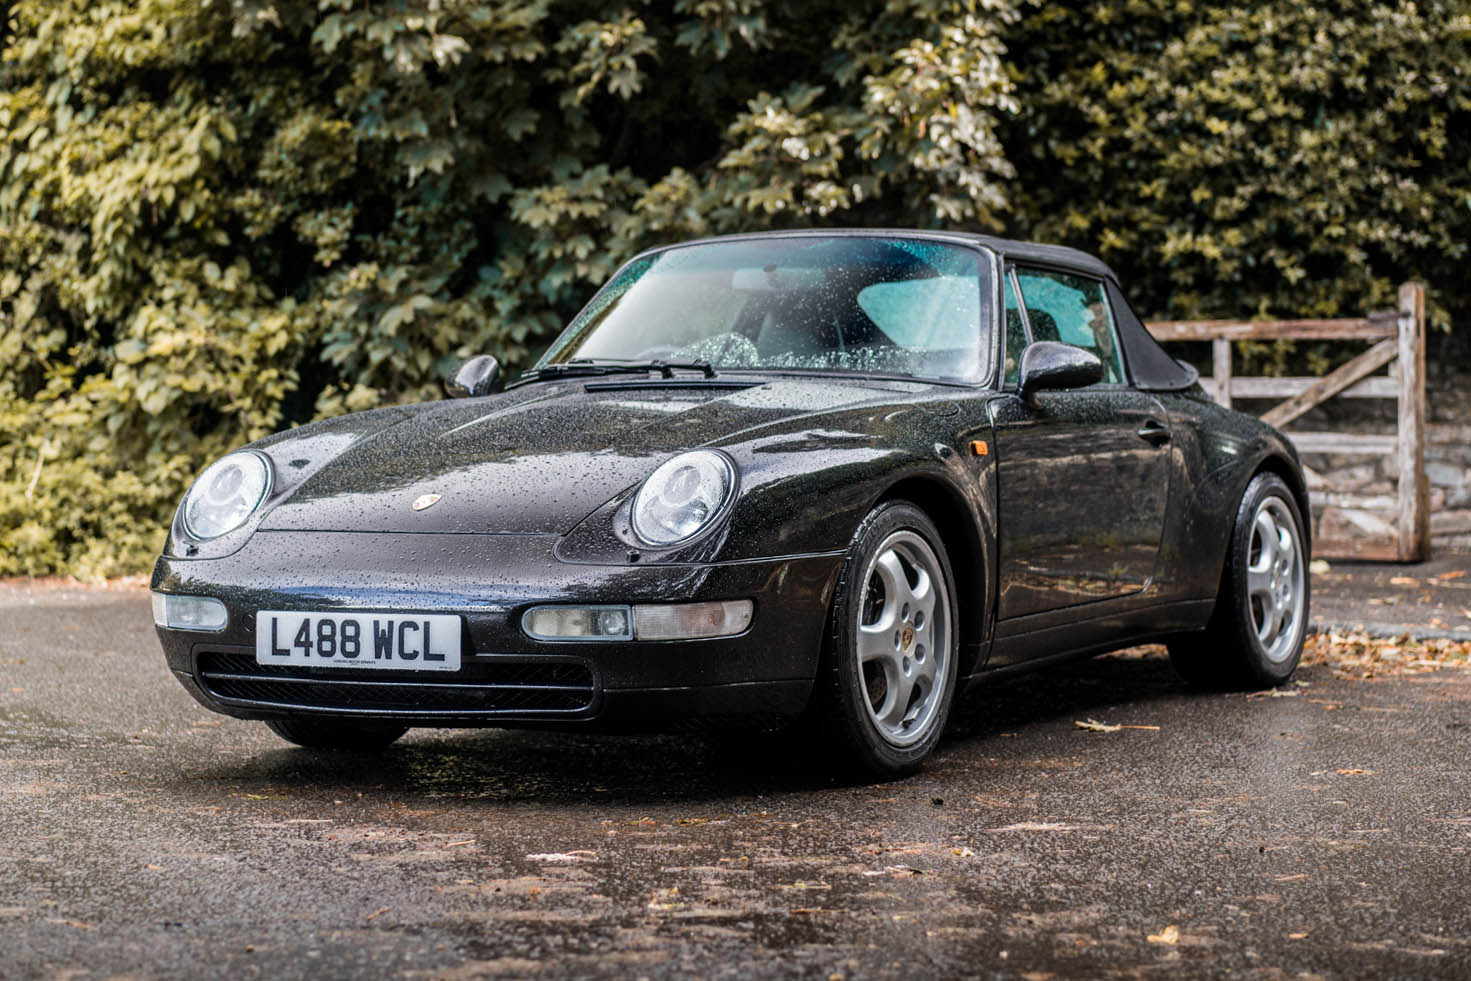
1448	455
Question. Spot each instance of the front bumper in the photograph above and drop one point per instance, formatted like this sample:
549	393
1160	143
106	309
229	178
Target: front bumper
762	676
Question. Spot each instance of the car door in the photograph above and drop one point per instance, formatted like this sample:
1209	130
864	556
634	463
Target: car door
1083	474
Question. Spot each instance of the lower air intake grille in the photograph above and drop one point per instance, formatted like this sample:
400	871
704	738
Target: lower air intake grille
482	686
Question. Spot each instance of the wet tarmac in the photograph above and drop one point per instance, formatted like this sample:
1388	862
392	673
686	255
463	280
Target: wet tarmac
1323	831
1422	599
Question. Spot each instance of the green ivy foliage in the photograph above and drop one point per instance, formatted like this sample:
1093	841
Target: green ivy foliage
222	217
219	218
1278	159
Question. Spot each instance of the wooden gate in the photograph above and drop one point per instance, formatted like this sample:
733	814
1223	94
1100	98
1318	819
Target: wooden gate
1398	341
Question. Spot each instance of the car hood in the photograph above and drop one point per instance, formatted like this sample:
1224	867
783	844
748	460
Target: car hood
539	458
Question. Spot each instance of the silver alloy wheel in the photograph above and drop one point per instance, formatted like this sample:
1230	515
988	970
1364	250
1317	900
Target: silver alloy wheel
1274	580
903	638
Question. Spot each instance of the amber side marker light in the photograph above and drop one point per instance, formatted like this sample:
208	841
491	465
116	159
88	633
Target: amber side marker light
979	448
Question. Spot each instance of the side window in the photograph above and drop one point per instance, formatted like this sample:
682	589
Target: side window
1016	334
1072	309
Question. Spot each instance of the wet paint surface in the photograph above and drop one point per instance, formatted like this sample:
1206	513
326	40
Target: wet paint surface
1096	515
1322	832
532	489
1085	495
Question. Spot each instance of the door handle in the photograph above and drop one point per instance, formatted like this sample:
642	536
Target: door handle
1155	433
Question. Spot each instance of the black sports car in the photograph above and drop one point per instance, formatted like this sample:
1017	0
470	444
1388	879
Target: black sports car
823	476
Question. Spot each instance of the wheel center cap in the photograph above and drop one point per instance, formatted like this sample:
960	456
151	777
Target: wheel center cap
906	637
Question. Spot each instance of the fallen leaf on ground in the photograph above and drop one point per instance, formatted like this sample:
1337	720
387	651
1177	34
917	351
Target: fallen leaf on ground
1403	581
71	923
1169	935
1038	826
1453	574
665	899
581	855
1357	655
1354	772
1093	725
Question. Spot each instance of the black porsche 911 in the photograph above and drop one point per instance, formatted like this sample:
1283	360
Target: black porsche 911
832	477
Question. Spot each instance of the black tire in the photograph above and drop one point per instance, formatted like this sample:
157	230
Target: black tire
345	734
877	734
1256	634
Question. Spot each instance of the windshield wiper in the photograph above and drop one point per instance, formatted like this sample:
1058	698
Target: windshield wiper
581	369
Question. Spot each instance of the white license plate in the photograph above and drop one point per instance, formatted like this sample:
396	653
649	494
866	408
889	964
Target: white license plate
365	641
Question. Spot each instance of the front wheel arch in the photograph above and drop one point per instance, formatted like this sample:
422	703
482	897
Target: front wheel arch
968	552
885	708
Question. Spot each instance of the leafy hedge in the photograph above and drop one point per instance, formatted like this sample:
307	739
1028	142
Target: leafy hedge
217	219
221	218
1278	159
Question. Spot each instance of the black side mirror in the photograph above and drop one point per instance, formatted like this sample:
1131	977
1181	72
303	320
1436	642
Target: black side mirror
1053	365
476	377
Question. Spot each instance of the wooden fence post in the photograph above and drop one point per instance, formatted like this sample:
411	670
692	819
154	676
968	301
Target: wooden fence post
1221	371
1414	488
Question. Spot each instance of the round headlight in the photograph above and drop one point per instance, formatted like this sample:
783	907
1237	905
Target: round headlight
682	496
226	494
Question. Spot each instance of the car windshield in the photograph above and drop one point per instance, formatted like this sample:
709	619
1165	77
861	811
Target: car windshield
875	305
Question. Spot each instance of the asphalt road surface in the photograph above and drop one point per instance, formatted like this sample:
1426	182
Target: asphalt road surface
1323	833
